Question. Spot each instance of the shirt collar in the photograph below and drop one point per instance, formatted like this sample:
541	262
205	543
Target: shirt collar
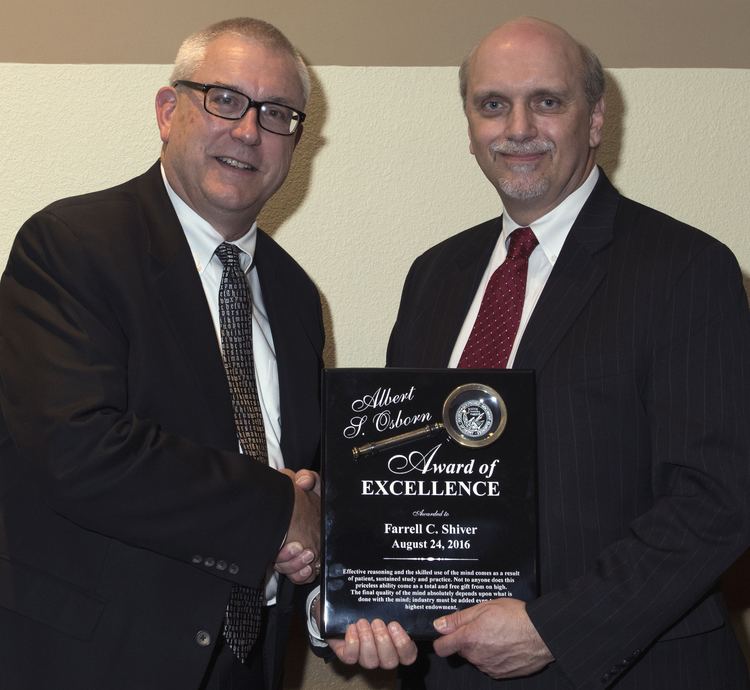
552	228
201	235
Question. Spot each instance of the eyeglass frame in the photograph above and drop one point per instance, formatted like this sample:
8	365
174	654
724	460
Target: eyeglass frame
251	103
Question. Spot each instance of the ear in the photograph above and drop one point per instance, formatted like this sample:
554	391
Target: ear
298	135
471	141
166	103
597	123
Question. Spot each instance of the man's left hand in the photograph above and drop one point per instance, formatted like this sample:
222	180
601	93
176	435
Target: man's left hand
375	645
495	636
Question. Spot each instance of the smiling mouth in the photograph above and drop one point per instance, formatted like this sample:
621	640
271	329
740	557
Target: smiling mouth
237	165
521	158
521	153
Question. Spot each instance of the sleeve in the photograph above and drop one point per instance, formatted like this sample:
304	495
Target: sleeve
64	361
696	403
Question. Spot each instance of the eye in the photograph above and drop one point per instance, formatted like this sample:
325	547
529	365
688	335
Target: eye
549	103
491	106
225	100
277	112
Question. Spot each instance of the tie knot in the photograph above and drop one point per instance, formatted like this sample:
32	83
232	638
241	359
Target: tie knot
228	254
522	243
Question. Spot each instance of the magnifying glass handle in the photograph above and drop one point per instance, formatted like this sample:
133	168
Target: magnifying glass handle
398	439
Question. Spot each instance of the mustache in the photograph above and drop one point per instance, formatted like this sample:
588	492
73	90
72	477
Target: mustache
522	148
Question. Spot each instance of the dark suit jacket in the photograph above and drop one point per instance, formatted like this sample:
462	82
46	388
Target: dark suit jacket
641	347
126	512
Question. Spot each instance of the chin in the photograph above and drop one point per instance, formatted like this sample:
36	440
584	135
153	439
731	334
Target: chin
524	188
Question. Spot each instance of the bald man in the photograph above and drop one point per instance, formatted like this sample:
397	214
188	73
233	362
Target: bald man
637	328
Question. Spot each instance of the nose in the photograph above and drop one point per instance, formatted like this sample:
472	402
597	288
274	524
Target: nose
247	129
521	125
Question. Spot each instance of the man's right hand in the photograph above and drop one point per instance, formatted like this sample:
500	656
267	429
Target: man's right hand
299	558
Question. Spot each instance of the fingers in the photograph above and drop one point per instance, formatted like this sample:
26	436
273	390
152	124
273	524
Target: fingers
291	551
347	650
405	646
497	637
453	621
298	558
371	645
383	652
304	525
450	644
293	556
453	631
297	563
375	645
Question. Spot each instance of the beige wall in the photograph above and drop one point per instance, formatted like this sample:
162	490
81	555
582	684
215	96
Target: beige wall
370	188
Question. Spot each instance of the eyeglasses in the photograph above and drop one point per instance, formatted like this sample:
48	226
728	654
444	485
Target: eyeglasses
232	105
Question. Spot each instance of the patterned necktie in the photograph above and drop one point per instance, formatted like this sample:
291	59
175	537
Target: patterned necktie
494	332
243	615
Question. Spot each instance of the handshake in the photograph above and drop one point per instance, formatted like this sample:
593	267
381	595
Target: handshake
367	644
299	557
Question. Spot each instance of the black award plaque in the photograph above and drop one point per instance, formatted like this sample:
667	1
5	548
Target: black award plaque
429	493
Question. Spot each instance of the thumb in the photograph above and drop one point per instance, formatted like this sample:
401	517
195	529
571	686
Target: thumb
453	621
308	481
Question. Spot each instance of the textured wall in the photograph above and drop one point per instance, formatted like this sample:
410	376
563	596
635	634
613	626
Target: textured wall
383	172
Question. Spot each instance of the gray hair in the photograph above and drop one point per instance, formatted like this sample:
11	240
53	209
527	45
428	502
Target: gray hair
593	75
192	52
592	72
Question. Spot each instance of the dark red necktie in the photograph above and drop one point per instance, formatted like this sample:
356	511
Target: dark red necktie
491	339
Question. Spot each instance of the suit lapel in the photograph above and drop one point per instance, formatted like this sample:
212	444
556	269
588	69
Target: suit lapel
288	333
178	289
576	274
455	292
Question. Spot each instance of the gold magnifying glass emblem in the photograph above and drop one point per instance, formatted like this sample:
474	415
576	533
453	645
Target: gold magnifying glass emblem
474	416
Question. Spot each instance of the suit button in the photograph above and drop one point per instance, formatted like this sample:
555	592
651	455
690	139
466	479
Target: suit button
209	562
221	565
203	638
197	559
234	569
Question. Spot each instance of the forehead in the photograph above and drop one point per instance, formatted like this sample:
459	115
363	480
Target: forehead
261	71
525	61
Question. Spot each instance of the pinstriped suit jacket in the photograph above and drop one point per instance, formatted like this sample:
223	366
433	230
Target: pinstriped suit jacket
641	347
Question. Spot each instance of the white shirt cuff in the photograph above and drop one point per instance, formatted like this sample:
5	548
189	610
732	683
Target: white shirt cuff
312	625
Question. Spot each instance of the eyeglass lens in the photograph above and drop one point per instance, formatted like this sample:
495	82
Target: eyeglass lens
232	105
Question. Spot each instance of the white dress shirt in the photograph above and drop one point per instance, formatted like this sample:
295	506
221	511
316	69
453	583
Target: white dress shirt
551	230
203	241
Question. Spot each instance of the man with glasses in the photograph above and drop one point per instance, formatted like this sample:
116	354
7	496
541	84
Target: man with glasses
160	360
